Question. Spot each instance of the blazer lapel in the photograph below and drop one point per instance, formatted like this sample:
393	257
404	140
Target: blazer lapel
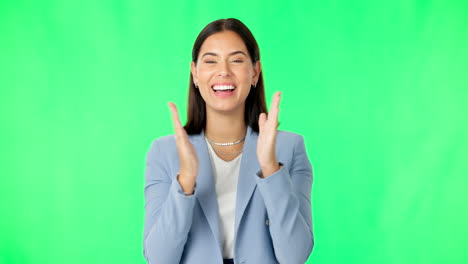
205	189
247	173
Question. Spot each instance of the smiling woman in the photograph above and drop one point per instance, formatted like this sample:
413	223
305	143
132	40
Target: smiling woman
228	187
224	70
210	50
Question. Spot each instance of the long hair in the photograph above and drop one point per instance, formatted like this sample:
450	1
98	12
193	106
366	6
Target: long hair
255	101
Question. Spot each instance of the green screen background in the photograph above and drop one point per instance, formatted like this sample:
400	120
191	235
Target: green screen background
377	88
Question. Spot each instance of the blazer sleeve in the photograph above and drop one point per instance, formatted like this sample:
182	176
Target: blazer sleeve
286	194
168	211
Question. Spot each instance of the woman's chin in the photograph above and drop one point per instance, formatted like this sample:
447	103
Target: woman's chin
226	108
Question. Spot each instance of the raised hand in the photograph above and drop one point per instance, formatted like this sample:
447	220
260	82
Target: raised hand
267	138
187	154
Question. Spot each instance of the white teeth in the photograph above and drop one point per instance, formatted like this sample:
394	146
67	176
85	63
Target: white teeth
223	87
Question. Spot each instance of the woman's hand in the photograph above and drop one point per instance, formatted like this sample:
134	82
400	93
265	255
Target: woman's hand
267	138
187	155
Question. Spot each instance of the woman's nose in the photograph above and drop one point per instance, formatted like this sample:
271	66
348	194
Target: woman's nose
224	69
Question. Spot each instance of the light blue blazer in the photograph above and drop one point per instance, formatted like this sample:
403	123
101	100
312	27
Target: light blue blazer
273	222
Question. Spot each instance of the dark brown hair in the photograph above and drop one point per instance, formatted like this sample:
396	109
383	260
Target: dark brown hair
255	101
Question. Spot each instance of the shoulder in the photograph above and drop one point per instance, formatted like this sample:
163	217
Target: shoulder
163	154
287	138
164	145
288	144
291	149
168	143
164	141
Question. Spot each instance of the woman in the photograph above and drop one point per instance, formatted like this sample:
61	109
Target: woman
228	187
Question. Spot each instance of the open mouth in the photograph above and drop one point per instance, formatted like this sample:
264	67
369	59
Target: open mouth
223	88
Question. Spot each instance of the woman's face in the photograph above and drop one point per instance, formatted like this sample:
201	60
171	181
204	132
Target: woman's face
224	72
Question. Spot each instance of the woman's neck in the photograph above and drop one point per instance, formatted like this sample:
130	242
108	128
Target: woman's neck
222	127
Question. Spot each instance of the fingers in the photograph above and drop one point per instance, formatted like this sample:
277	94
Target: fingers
178	129
261	121
274	109
175	116
270	121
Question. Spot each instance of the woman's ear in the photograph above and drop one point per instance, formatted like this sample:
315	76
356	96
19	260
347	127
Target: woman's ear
193	70
257	71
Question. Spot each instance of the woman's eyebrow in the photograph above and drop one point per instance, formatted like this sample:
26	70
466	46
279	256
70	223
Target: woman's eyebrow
237	52
230	54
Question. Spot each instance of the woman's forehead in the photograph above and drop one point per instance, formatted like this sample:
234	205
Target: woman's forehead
223	43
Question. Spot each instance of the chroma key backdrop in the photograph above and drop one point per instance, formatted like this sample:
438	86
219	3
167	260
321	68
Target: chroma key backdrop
379	89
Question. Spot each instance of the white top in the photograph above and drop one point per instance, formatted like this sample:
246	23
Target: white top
226	174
